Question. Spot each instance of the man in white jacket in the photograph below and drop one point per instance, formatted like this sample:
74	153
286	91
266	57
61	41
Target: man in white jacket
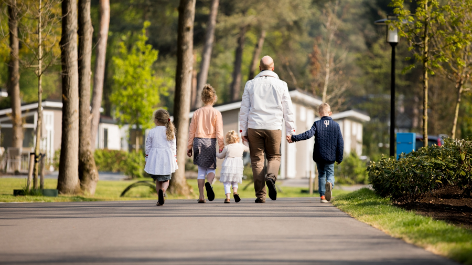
265	105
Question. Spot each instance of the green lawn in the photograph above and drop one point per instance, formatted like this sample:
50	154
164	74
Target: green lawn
436	236
111	190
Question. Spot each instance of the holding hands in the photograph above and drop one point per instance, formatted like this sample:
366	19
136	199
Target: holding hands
289	139
189	152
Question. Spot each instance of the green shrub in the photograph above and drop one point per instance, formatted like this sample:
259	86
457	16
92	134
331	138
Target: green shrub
423	171
189	166
110	160
129	163
134	165
352	170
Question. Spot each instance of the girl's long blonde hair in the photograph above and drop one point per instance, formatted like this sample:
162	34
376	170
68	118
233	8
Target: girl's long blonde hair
232	137
163	116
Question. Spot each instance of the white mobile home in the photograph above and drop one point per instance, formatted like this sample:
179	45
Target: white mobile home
109	134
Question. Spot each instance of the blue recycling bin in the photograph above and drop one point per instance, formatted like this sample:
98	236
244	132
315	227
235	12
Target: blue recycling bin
406	143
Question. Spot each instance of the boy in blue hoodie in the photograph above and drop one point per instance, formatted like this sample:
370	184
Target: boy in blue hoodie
329	146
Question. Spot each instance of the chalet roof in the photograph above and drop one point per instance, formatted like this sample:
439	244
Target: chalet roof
353	114
30	106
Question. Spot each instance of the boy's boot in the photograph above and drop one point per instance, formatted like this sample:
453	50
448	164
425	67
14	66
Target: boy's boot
270	182
209	190
323	199
329	189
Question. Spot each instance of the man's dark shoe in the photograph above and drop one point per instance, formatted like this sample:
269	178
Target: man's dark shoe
209	190
259	200
270	182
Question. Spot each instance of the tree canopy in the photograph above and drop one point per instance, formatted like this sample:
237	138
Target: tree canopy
136	87
296	36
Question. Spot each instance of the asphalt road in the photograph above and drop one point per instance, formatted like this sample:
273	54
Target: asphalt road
295	231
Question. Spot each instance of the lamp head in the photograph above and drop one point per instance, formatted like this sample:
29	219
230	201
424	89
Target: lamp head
392	33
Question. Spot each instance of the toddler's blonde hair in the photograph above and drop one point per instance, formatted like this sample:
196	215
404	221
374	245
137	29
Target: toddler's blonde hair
163	116
232	137
324	108
208	94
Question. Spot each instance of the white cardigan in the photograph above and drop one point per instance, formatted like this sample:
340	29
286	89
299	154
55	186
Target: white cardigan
265	104
160	153
233	150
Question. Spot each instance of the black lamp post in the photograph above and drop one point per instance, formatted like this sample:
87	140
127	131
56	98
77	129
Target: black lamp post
392	38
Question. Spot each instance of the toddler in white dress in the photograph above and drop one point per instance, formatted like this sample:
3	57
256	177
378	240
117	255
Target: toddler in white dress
161	159
232	168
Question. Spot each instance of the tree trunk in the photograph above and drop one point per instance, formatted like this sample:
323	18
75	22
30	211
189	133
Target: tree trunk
328	64
459	87
183	79
331	28
425	77
194	94
206	53
327	73
416	112
99	76
107	88
137	138
238	59
39	124
14	76
256	55
88	174
68	180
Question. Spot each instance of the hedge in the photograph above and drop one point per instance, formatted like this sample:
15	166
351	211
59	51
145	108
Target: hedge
422	171
129	163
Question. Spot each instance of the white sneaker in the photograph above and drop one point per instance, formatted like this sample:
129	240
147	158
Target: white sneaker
329	188
323	200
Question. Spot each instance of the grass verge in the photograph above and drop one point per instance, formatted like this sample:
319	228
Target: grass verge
436	236
111	190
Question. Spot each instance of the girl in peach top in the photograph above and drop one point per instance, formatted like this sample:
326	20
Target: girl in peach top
205	129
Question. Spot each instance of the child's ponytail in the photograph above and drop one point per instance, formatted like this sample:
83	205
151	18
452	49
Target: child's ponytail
170	130
163	116
208	94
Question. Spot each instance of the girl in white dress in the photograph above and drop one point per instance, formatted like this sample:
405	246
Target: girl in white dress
161	159
232	168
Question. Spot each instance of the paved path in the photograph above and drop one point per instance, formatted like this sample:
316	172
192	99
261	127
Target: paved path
295	231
